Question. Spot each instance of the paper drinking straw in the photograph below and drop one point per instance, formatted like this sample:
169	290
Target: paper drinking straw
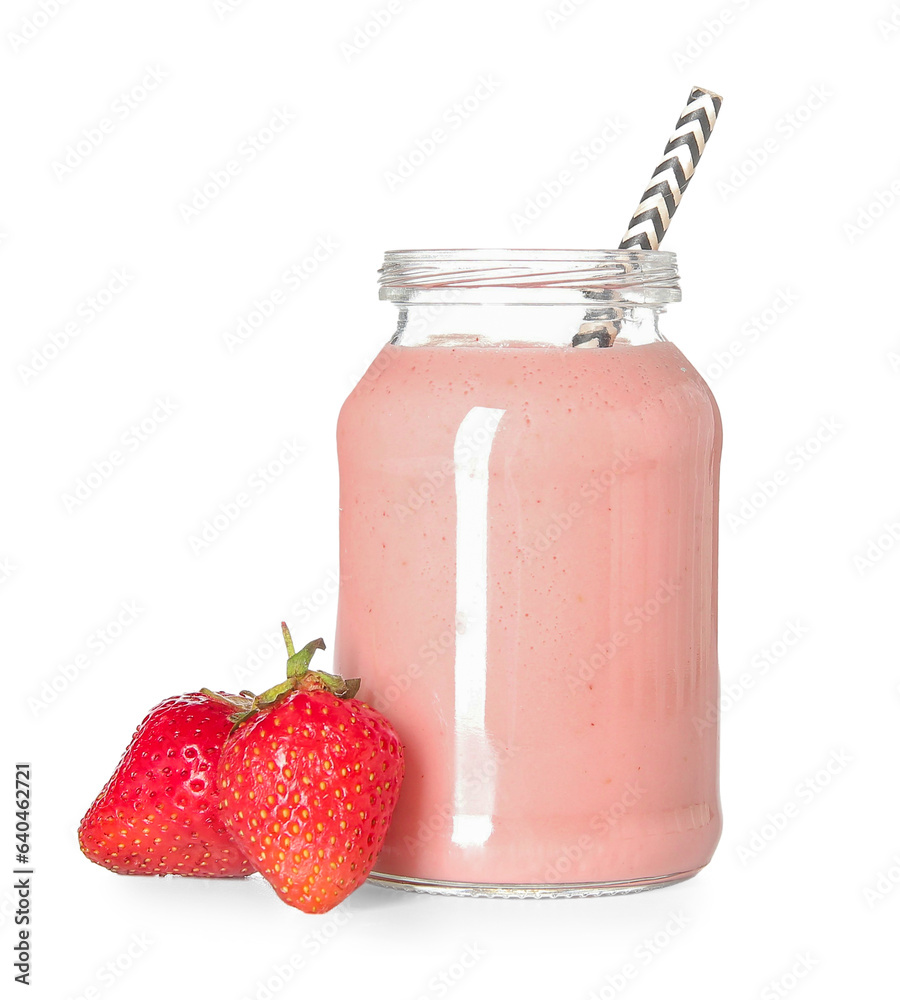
683	151
658	203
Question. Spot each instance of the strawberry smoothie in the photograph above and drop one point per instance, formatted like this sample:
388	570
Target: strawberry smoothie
528	592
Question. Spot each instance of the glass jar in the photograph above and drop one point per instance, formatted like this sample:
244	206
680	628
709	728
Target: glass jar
529	513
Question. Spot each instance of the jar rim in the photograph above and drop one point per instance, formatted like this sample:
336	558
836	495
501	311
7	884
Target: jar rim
640	276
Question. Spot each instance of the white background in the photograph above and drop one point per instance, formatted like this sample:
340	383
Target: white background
792	203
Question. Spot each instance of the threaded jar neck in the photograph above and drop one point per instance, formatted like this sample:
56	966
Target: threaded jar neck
638	277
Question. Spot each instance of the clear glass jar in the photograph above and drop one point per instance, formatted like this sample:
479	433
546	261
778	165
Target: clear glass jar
529	512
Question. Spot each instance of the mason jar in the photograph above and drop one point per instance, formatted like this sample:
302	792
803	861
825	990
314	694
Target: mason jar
528	532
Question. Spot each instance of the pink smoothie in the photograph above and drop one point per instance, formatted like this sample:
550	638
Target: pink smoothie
528	592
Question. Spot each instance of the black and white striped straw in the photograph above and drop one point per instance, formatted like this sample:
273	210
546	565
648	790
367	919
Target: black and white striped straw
683	151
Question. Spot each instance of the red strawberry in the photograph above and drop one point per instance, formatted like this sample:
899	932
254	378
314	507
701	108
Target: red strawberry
159	812
309	781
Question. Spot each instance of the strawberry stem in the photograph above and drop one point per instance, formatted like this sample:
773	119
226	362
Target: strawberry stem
299	678
298	663
288	641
